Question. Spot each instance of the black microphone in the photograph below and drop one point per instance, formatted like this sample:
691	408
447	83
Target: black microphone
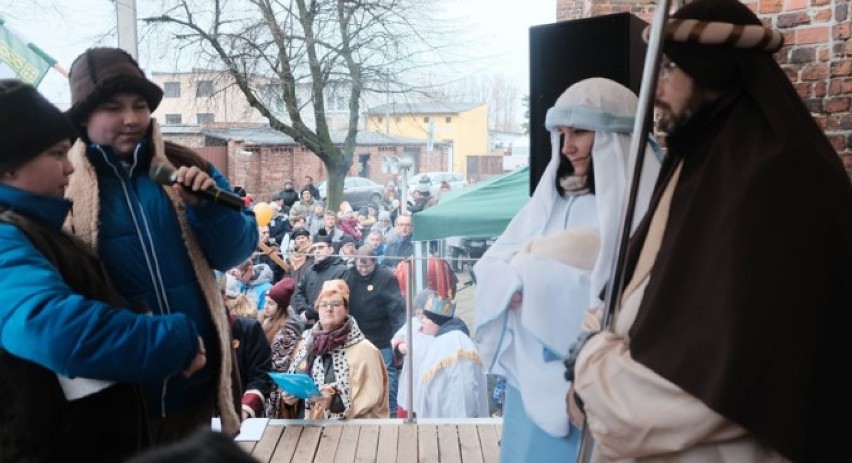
165	175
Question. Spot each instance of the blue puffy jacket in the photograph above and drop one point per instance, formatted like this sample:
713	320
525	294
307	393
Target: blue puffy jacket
42	320
140	244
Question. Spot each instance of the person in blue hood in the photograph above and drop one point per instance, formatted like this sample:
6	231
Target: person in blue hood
72	352
159	244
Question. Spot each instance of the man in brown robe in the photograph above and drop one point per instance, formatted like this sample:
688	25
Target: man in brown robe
729	343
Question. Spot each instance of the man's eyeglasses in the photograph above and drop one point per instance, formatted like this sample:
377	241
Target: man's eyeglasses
334	304
666	67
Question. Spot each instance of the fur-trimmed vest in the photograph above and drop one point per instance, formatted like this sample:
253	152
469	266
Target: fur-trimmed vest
84	223
37	423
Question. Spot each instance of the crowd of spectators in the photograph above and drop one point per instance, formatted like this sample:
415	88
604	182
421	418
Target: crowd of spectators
327	291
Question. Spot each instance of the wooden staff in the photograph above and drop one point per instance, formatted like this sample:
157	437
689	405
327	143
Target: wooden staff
272	252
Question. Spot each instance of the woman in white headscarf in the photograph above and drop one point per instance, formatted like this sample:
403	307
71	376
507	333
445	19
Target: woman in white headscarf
537	280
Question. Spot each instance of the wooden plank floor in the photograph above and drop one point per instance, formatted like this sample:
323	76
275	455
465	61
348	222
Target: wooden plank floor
382	441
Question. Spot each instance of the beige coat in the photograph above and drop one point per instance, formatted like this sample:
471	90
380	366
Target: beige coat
368	380
634	414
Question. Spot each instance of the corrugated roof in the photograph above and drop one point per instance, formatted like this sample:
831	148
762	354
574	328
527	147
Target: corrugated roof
433	107
180	129
270	136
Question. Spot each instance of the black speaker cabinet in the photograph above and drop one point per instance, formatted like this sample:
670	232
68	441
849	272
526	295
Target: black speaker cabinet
564	53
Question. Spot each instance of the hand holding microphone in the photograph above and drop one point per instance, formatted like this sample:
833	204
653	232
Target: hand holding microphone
195	185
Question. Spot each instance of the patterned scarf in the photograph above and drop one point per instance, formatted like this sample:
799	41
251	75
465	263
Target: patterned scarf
325	341
300	255
313	364
283	345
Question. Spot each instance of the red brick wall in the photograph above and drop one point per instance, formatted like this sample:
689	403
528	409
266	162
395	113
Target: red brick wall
569	9
263	172
643	9
818	59
817	56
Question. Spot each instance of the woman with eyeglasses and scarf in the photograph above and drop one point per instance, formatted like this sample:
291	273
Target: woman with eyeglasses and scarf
346	367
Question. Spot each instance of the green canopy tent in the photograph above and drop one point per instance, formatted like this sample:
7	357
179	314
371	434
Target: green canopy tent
482	210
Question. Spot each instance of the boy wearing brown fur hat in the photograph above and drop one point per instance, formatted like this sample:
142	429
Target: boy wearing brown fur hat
159	244
61	317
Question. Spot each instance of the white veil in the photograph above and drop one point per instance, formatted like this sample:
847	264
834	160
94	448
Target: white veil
608	109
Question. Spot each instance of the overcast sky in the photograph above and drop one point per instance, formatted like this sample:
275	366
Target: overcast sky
64	28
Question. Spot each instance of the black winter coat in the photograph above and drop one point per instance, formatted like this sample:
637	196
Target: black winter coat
376	303
254	356
289	196
331	268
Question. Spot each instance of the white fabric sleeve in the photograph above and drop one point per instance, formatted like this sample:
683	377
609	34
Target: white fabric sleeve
633	412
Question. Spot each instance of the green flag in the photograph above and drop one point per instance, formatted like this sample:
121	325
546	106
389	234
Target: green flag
25	60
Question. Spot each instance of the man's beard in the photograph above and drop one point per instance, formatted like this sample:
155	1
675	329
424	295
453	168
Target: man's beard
670	121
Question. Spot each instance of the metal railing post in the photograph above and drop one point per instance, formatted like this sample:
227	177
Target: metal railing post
409	312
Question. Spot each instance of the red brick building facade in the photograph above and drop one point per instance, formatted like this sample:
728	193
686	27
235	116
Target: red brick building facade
263	172
817	55
260	159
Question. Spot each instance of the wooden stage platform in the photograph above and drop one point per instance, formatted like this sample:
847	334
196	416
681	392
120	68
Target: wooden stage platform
386	441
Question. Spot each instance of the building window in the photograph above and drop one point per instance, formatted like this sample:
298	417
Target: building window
335	103
204	89
426	119
173	119
205	118
171	90
448	119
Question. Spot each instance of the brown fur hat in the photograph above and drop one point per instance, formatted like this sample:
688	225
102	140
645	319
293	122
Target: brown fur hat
100	73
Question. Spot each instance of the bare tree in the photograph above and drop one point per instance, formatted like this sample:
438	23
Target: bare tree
504	98
293	54
499	91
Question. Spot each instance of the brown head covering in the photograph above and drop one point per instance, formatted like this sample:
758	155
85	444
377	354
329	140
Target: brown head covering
100	73
748	301
704	41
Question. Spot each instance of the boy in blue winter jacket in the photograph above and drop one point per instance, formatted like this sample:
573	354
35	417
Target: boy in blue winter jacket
159	244
70	348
